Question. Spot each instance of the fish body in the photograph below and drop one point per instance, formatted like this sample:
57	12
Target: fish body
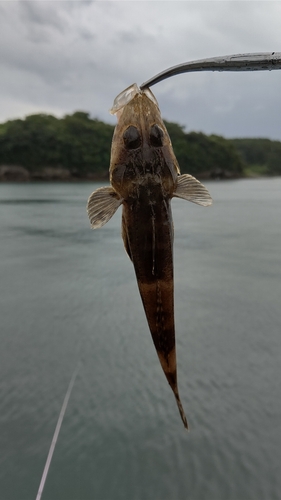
144	176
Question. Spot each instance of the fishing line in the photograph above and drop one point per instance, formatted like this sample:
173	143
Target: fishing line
236	62
56	433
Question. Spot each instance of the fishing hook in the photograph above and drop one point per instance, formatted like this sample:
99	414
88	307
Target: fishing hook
236	62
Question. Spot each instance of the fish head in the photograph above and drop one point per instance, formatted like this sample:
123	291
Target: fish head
141	150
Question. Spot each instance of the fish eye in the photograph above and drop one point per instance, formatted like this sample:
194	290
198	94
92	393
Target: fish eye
156	136
132	138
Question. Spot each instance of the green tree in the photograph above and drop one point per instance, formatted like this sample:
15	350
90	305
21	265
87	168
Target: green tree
31	143
205	156
260	155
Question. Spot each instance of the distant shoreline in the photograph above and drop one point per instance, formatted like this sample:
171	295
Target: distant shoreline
16	173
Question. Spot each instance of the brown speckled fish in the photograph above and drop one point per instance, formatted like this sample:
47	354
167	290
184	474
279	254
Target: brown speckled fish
144	176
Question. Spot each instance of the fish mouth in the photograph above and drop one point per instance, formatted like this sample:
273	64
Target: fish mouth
122	99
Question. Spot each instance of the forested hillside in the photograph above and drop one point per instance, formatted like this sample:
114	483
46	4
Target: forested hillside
261	156
76	146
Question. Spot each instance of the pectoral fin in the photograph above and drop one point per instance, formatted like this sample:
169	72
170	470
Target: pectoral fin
191	189
102	205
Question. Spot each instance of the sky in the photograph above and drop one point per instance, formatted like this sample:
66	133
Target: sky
58	57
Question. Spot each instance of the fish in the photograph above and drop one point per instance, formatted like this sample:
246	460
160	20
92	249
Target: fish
144	177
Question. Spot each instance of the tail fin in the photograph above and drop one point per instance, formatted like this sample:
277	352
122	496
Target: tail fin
181	410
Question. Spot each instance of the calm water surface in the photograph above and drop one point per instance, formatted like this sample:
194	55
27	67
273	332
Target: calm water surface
69	294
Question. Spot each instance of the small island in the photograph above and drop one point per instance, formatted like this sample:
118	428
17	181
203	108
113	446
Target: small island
76	147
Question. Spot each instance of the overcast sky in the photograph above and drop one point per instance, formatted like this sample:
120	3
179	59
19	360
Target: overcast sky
60	57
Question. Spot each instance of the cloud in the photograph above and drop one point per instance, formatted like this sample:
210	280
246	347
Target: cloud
65	56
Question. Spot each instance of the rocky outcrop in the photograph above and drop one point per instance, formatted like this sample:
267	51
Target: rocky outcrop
13	173
17	173
51	174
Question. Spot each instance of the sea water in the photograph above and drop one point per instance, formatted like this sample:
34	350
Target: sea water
69	296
